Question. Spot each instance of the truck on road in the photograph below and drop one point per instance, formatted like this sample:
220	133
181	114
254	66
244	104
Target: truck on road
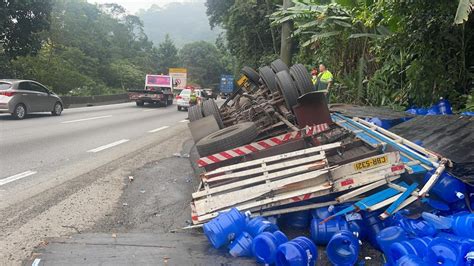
226	86
158	90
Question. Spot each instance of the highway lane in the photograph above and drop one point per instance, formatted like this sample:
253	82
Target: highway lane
44	151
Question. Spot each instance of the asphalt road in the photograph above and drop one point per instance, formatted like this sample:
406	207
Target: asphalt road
45	149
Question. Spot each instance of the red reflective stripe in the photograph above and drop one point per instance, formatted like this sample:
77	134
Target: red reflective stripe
226	155
250	147
239	151
287	137
202	163
213	158
276	140
264	144
296	199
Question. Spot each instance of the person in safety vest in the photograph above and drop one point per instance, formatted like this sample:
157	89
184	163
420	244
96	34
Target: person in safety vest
193	100
314	76
325	81
325	78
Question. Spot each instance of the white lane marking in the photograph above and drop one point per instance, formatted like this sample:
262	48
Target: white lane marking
36	262
110	145
158	129
184	121
85	119
16	177
149	110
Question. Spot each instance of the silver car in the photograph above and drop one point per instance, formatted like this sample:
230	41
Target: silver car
21	97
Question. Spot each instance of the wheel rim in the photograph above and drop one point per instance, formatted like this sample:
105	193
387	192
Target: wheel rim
57	108
20	111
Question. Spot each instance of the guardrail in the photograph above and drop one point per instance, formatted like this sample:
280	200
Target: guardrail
79	101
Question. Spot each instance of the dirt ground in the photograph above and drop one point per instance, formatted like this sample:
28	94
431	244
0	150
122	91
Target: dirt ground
144	221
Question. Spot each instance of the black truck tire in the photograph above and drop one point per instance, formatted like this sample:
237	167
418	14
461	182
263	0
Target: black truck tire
278	65
209	108
251	74
302	78
227	138
268	78
140	103
195	113
288	88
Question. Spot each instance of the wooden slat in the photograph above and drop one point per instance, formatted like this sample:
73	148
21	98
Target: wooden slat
273	167
364	189
216	203
274	158
265	177
276	198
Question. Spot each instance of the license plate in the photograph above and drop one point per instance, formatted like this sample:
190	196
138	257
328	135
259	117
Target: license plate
371	163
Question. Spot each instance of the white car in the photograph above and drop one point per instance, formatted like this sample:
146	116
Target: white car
182	100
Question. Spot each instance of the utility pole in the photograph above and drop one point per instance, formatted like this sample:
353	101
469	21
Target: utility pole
286	29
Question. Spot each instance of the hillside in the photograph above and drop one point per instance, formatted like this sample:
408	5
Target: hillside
184	22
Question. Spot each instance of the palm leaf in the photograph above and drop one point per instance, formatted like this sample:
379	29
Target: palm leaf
319	36
368	35
462	13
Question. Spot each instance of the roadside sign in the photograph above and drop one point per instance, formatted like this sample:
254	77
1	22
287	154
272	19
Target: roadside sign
179	76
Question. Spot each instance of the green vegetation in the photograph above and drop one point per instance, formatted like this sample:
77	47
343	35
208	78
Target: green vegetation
77	48
395	53
248	36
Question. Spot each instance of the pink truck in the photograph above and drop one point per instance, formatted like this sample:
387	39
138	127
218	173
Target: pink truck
158	90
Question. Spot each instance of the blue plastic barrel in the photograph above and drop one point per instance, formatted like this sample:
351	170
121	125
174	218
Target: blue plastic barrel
259	225
448	188
444	107
455	238
321	213
241	246
265	245
383	123
300	251
415	227
225	227
373	225
343	249
442	251
416	246
411	260
387	237
298	220
321	233
463	225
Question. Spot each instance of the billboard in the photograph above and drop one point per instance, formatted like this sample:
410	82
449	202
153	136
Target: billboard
158	81
180	76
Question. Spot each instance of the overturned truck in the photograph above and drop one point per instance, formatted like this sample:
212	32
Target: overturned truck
274	148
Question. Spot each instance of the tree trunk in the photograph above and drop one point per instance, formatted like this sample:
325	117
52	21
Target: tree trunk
286	29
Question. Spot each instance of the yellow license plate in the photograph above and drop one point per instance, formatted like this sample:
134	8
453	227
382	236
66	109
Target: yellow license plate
371	163
242	80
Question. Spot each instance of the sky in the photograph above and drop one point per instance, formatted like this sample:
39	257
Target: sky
133	6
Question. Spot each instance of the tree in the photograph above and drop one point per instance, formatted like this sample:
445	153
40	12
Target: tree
203	62
250	38
167	55
20	24
89	49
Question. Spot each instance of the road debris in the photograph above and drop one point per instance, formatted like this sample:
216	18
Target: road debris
345	179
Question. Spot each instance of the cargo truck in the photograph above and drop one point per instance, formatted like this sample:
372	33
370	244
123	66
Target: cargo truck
158	90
